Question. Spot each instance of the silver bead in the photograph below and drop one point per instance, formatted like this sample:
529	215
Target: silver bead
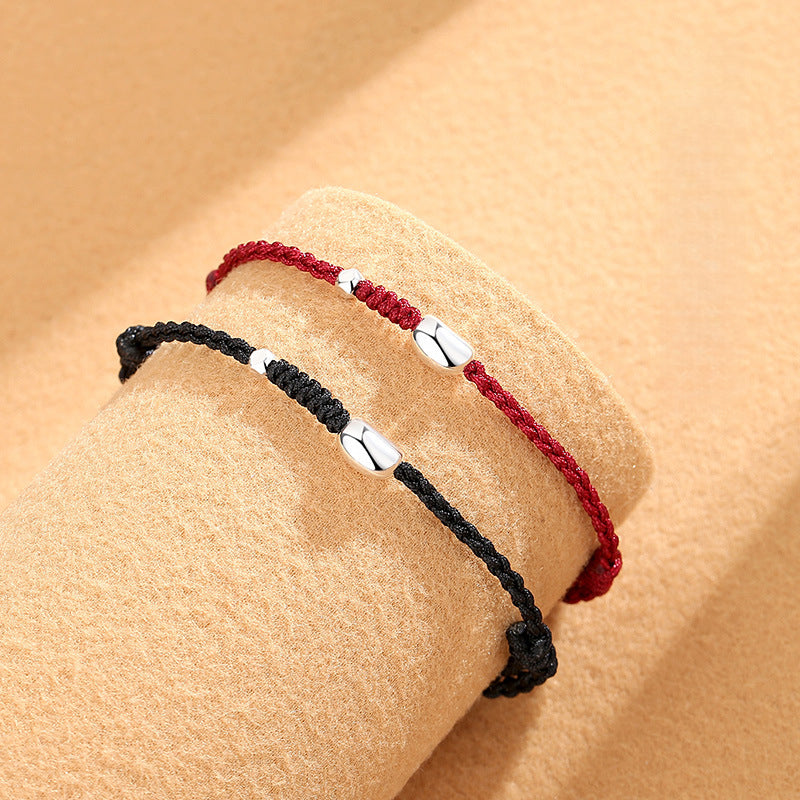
260	360
348	279
368	450
440	345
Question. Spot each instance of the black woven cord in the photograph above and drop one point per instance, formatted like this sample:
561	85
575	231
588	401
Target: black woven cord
138	342
135	344
532	658
310	394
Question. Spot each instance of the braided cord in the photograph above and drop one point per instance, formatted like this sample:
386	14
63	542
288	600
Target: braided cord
532	656
310	394
606	561
396	309
272	251
135	344
378	298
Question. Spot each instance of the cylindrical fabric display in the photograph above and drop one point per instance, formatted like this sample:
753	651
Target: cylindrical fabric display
202	597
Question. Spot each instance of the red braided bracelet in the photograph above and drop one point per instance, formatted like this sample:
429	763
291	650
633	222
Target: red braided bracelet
606	561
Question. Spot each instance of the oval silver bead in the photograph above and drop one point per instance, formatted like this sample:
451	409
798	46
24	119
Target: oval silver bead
348	279
369	450
261	359
441	345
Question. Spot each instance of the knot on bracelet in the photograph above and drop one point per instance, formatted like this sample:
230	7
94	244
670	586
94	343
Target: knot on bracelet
531	648
131	353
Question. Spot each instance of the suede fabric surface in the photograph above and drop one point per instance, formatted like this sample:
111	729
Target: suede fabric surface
631	167
204	597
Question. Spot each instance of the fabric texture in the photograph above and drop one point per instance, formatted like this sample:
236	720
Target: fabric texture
630	167
203	583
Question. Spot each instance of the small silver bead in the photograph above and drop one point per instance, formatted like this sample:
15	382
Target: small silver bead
368	450
348	279
261	359
440	345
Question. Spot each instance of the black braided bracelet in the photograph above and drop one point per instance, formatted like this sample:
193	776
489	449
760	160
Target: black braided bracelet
532	656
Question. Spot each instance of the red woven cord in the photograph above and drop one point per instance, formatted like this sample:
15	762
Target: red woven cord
388	304
272	251
606	561
378	298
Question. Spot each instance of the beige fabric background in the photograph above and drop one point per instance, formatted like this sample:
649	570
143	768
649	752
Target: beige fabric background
631	167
